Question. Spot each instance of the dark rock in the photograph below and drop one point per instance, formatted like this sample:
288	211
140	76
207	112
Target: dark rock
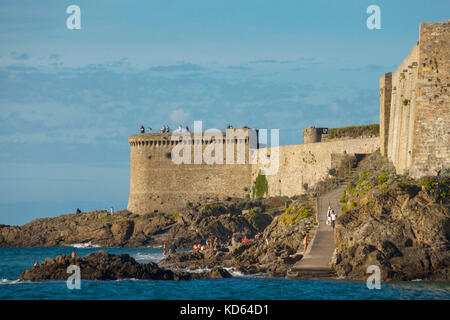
219	273
398	226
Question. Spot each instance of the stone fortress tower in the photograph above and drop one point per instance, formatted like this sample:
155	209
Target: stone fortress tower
157	183
313	134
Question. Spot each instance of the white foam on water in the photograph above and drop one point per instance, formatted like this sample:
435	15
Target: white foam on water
128	279
416	280
234	272
146	257
83	245
9	281
200	270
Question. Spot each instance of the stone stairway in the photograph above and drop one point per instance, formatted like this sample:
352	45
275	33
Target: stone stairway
316	259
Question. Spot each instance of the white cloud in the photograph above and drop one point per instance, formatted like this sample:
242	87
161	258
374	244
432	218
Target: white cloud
334	108
179	116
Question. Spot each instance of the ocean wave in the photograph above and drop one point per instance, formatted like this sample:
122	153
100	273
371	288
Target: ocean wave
146	257
128	279
17	281
83	245
234	272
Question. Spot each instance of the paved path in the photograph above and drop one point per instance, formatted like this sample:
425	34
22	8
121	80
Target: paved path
317	257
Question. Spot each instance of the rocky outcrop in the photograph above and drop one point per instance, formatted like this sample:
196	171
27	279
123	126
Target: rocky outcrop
101	265
273	251
124	229
220	220
121	229
396	223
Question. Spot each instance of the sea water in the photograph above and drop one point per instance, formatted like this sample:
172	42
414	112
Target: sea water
15	260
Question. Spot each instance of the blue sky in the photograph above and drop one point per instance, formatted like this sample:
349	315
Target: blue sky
69	99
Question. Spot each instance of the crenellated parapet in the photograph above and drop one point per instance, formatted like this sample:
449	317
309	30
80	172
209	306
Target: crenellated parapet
173	139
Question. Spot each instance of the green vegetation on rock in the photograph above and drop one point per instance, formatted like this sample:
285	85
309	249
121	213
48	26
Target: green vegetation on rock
294	213
261	186
355	131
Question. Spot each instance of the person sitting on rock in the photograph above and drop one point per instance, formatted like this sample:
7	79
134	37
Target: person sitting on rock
142	129
36	264
173	249
244	240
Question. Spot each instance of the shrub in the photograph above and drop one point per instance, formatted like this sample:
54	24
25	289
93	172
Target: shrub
293	214
343	198
383	177
355	131
428	184
252	214
261	186
344	208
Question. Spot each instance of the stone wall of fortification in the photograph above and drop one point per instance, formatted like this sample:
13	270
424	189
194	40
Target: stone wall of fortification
417	117
431	149
403	103
309	163
385	110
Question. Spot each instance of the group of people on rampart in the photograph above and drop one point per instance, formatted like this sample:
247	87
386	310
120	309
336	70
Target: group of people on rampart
165	129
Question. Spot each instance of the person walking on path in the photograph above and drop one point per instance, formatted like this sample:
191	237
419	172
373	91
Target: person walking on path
305	242
329	215
333	219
